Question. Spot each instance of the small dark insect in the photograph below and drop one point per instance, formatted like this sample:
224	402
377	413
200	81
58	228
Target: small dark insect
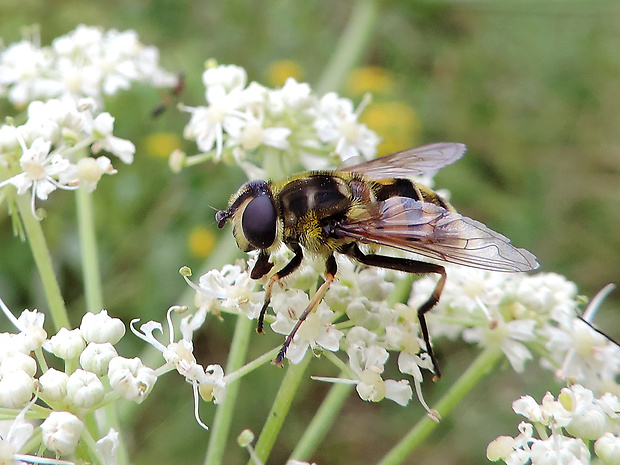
170	96
323	212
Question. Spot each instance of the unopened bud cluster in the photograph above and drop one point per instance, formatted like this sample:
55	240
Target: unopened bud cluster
568	428
93	371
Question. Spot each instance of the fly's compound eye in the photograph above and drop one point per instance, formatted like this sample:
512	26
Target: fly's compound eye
259	222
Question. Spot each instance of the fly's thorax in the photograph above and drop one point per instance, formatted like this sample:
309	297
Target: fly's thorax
316	195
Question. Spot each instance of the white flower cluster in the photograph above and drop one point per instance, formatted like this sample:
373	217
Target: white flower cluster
86	62
516	312
566	427
521	312
290	125
367	329
48	151
210	382
94	373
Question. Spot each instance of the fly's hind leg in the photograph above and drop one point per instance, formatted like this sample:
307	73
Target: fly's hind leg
408	266
330	277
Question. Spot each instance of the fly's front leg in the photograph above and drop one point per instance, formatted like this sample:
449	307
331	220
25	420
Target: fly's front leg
409	266
288	269
262	266
330	276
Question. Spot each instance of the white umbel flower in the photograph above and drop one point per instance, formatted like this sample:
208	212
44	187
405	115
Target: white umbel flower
130	378
84	389
66	344
16	388
61	432
96	357
101	328
53	385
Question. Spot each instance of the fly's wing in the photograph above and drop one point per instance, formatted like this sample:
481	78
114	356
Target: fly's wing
411	162
435	232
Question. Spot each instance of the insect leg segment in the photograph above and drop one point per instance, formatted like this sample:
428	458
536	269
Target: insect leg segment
408	266
330	276
288	269
262	266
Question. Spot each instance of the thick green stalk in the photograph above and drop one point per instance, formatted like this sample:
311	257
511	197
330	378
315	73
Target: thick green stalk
88	249
280	408
322	421
352	43
483	364
223	417
43	260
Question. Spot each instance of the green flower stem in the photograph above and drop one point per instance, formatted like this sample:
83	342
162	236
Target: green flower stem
350	46
223	417
322	421
88	248
253	365
279	409
43	260
483	364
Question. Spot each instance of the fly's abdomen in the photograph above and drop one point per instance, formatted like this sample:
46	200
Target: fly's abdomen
407	188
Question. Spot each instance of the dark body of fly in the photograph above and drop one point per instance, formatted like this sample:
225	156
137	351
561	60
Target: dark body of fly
373	203
312	205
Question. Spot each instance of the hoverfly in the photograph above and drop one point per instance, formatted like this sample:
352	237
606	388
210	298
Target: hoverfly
373	203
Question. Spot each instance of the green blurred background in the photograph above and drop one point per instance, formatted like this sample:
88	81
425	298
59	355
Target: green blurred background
533	89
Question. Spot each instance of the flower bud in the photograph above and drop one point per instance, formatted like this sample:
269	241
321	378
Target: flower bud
67	345
176	161
31	323
84	389
61	432
34	337
245	438
589	424
500	448
101	328
607	448
96	357
89	170
18	362
16	388
130	378
53	385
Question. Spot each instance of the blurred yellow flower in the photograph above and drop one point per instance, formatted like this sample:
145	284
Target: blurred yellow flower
161	144
398	124
201	242
279	71
371	79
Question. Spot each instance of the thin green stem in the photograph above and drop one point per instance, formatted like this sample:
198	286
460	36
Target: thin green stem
482	365
253	365
322	421
224	414
352	43
280	408
88	248
43	260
